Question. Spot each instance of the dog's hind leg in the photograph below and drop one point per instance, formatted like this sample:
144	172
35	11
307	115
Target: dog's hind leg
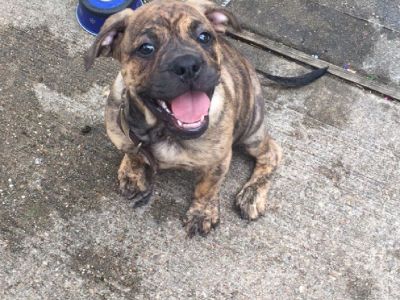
135	180
252	199
203	214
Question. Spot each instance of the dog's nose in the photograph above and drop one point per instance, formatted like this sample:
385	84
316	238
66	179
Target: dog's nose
187	66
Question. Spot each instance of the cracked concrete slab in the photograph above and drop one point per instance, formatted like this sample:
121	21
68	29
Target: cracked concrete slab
380	12
330	31
332	228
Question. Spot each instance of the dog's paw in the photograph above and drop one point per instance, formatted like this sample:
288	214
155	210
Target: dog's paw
201	221
251	202
134	188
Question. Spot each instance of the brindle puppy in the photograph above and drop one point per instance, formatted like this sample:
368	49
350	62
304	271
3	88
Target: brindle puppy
183	97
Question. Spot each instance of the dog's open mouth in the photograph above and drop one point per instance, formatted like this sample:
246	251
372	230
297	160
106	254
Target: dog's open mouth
187	114
188	110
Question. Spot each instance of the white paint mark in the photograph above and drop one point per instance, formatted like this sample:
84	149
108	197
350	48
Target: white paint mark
88	106
225	2
385	59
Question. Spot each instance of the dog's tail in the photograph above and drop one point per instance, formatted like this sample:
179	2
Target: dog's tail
297	81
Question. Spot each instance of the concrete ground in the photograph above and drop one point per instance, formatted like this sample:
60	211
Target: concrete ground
332	230
364	34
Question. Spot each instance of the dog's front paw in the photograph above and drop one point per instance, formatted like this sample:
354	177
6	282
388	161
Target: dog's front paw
201	222
251	202
130	189
134	187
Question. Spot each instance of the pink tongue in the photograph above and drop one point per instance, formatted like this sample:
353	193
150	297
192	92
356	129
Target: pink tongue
191	107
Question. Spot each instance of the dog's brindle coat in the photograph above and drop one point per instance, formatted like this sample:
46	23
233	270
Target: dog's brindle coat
235	117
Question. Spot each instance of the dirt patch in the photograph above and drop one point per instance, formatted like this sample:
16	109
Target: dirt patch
333	109
165	208
336	172
360	289
105	266
395	253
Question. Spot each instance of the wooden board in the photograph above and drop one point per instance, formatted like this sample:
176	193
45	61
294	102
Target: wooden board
267	44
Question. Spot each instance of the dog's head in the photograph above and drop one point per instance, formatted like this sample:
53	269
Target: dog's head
170	58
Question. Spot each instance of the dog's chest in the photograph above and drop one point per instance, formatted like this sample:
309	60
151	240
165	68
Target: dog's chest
191	155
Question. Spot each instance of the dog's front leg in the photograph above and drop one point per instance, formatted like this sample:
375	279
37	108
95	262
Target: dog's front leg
252	199
135	180
203	214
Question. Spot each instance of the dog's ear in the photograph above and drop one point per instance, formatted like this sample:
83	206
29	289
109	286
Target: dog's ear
220	17
108	41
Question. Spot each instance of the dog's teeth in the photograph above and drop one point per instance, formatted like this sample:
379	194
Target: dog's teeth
180	123
163	105
192	125
202	118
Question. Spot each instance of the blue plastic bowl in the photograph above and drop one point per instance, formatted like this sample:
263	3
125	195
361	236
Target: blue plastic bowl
91	14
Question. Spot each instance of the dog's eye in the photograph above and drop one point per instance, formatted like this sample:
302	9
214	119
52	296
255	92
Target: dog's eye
146	49
204	38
